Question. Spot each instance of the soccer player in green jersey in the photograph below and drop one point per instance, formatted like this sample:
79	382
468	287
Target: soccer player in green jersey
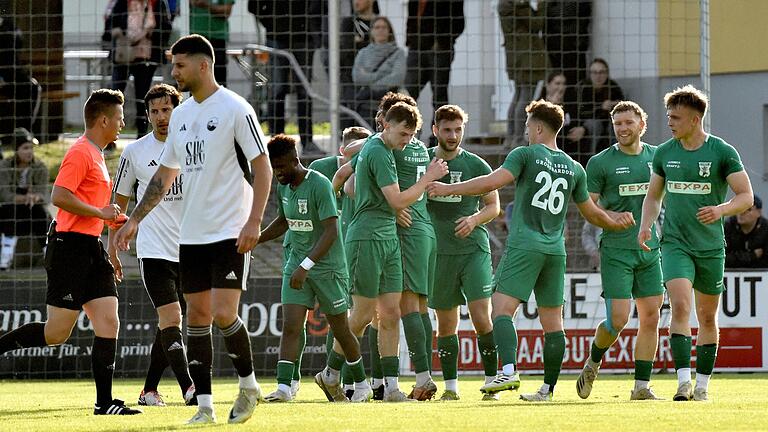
373	249
692	173
617	179
534	261
463	274
316	269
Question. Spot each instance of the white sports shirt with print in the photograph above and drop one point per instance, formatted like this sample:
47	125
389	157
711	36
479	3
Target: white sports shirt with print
213	143
159	232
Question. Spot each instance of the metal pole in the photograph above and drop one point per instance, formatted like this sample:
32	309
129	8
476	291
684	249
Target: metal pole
334	24
704	42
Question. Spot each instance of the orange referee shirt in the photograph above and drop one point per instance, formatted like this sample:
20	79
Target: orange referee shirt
84	173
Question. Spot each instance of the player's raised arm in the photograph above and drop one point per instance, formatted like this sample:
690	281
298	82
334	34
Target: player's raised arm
599	217
399	200
341	176
651	209
476	186
743	200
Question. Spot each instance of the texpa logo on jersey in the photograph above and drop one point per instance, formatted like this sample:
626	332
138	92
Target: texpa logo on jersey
689	188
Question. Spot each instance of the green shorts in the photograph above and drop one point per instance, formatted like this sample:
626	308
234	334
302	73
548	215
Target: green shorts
703	268
630	273
460	279
418	255
522	272
330	292
375	267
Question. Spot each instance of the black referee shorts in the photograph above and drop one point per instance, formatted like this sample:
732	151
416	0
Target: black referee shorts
161	280
78	270
213	265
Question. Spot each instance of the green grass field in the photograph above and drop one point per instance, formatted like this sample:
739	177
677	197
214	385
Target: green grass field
739	402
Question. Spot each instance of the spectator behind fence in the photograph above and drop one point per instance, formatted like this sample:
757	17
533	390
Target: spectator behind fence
294	26
18	91
567	35
23	196
557	91
139	31
597	95
432	29
354	36
378	68
527	61
210	18
746	238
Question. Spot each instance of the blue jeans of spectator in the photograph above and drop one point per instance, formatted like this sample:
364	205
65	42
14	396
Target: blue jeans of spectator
281	81
142	71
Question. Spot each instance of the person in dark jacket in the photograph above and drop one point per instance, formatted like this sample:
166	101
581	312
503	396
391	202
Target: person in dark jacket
295	26
432	29
746	237
597	95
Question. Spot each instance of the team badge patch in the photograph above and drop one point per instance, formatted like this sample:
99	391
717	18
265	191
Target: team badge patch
704	168
455	176
212	123
302	203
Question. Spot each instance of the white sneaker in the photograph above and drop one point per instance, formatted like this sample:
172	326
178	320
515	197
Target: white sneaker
279	396
204	415
585	380
244	405
333	392
502	382
151	398
700	394
684	392
397	396
537	397
363	394
491	397
643	394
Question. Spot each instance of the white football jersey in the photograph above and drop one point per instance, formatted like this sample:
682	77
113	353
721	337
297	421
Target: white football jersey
159	232
213	143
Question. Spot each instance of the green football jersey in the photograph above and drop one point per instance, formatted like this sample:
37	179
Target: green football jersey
328	166
692	180
545	180
447	209
411	164
373	218
305	208
622	181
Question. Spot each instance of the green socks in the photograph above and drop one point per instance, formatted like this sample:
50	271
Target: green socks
705	358
554	350
427	322
448	352
390	366
413	327
285	370
505	338
488	354
681	350
643	369
373	345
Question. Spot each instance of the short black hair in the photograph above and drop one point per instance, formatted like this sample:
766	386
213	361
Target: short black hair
159	91
281	145
101	102
193	44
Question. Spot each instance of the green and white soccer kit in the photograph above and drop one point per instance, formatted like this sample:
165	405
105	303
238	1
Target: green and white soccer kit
692	180
622	181
534	260
463	272
305	208
417	242
371	243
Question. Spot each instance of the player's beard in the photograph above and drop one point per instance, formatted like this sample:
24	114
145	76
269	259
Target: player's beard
447	147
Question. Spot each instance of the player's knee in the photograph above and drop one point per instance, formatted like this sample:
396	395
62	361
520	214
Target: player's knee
707	319
681	311
618	322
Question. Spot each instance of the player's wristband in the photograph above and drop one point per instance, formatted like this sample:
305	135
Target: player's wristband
307	264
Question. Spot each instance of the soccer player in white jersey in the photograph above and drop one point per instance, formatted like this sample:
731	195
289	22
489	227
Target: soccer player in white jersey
157	245
216	143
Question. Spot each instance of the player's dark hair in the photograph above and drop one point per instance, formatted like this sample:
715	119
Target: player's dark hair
402	112
101	102
354	133
688	96
193	44
160	91
450	113
548	113
629	106
281	145
391	98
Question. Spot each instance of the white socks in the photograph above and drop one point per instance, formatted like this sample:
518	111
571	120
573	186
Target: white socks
640	384
248	382
205	401
452	385
508	369
683	375
422	378
702	381
391	384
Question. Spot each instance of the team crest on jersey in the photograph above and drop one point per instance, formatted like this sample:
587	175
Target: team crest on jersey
455	176
302	203
704	168
212	123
